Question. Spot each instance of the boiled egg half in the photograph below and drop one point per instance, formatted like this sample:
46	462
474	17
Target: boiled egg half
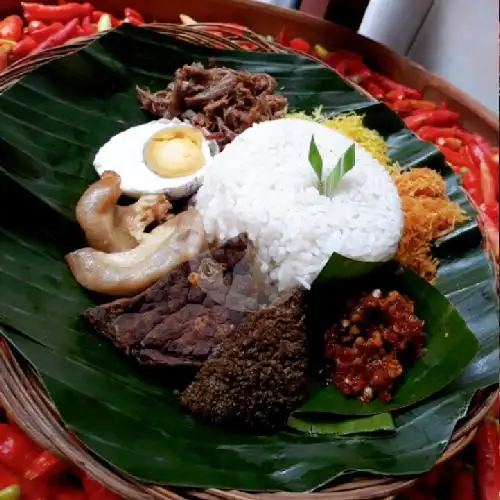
162	156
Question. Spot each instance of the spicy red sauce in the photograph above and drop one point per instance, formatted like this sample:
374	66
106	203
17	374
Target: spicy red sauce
367	351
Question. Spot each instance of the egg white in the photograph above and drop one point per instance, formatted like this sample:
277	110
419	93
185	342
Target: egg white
123	154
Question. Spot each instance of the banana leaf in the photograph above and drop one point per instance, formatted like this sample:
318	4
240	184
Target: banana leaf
52	123
450	345
317	425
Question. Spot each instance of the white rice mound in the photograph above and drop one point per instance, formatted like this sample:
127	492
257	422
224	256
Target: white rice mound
263	184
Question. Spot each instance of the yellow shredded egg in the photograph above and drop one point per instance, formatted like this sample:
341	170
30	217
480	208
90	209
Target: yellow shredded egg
351	125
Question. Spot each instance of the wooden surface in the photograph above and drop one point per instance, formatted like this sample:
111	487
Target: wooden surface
267	19
316	8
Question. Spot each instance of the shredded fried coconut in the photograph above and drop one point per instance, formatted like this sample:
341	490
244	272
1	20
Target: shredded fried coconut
429	214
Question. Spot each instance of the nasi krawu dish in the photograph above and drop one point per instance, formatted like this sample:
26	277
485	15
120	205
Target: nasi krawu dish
237	206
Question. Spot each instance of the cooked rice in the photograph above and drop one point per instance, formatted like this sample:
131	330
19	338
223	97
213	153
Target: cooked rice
263	184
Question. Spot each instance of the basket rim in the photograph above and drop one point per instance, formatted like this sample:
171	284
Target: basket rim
24	397
36	415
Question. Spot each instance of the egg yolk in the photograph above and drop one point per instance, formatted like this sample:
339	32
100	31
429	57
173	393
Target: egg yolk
175	152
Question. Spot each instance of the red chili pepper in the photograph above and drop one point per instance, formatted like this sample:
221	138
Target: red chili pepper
96	15
419	104
88	27
339	55
35	26
42	34
133	13
454	143
430	481
349	66
7	478
416	494
17	450
487	446
458	159
492	211
466	137
36	490
491	232
437	118
417	112
45	465
360	77
283	38
11	28
387	84
69	493
56	13
373	89
495	153
463	487
395	95
96	491
472	184
65	34
488	169
489	154
79	33
300	45
432	134
401	107
488	186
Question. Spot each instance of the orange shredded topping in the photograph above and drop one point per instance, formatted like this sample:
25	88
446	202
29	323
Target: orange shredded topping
429	214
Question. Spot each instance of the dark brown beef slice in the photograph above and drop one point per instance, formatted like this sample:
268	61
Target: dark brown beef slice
183	317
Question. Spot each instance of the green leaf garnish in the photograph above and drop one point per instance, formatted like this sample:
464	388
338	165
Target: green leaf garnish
315	159
346	162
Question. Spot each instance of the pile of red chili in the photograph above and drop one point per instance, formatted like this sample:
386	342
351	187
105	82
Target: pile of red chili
365	349
469	155
28	472
46	26
474	475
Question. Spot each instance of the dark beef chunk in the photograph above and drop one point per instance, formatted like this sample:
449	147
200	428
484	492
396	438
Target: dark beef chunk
182	318
258	375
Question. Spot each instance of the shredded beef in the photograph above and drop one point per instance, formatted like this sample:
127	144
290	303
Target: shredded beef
181	319
223	101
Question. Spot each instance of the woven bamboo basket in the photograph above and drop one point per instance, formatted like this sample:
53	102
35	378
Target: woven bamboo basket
23	395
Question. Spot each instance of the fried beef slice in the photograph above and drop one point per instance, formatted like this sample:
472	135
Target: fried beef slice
223	101
258	375
181	319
